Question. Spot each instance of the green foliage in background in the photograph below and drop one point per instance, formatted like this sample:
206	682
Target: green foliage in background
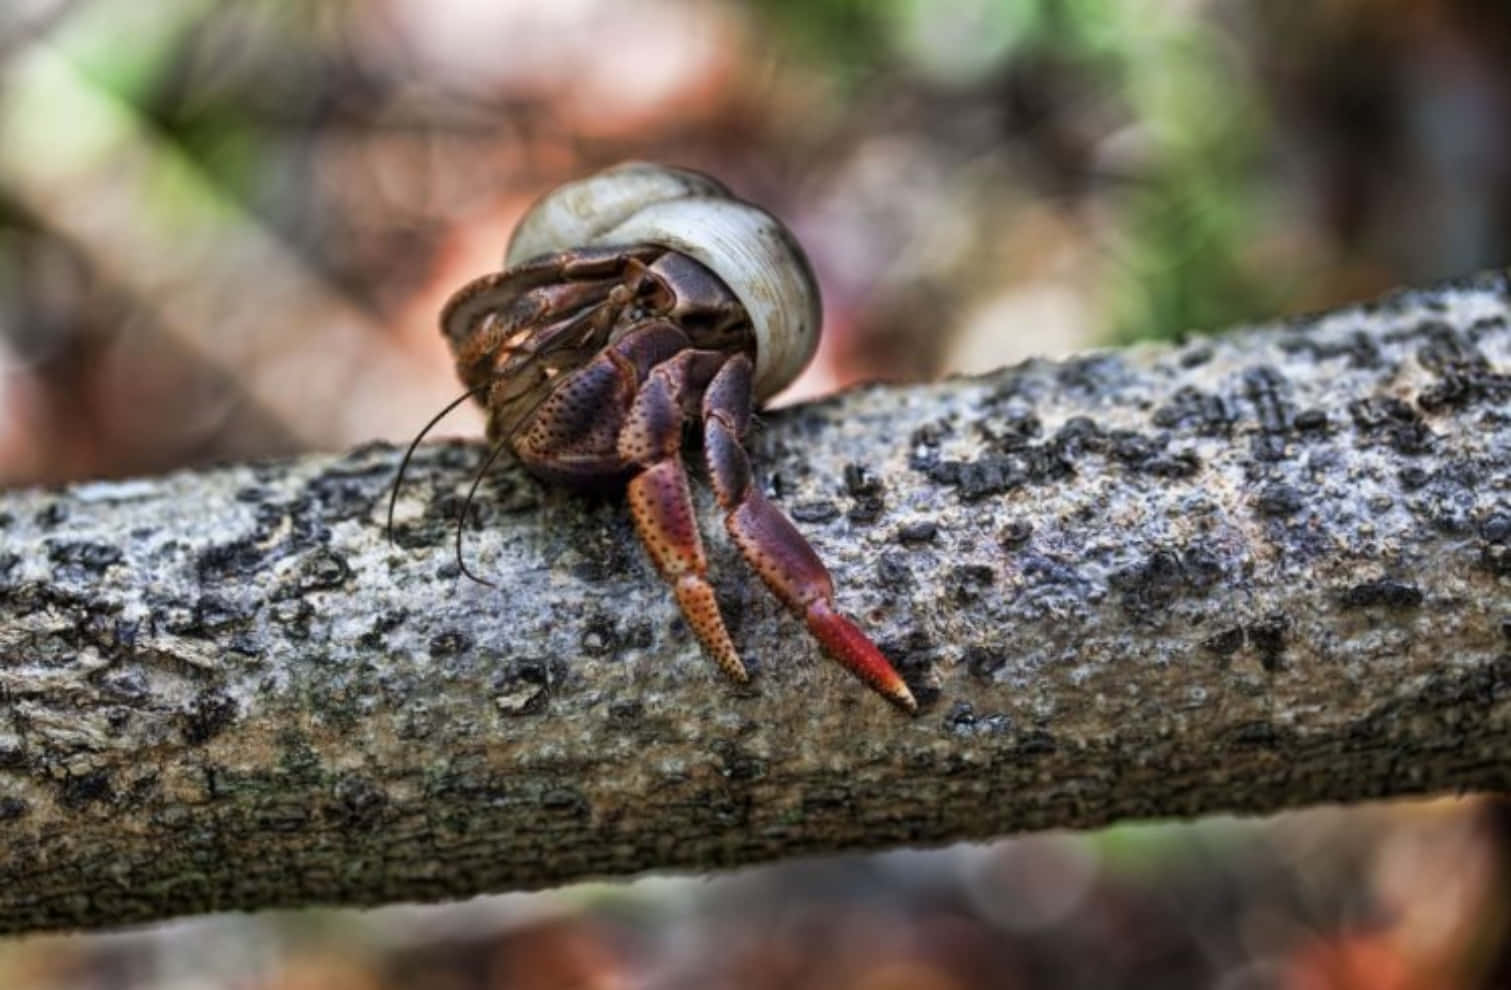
1185	217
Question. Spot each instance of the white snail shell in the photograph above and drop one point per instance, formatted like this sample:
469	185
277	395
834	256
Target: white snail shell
686	211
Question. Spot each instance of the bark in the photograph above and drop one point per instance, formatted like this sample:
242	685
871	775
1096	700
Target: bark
1244	574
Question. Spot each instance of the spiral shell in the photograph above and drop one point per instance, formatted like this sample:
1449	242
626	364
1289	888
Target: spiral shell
685	211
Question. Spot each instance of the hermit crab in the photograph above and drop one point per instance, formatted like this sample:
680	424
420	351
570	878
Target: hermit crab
632	303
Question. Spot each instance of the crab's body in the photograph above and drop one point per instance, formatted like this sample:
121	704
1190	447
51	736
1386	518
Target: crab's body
591	359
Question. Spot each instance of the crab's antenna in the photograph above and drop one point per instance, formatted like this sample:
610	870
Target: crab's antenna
461	519
393	497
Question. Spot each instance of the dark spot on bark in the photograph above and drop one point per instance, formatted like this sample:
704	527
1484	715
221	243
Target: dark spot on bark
87	789
1149	586
1225	643
323	569
1015	533
213	614
960	718
449	644
1387	592
992	475
225	561
1279	499
983	661
1095	374
638	635
12	808
930	434
565	801
52	514
866	510
1196	356
1009	433
533	670
625	711
6	519
893	573
337	496
419	534
252	494
1253	734
212	712
82	555
1412	478
381	627
1202	567
1192	409
865	488
1496	558
820	511
359	802
937	471
1359	348
1496	528
294	615
1268	637
1036	742
286	818
1181	464
860	480
449	509
1265	389
969	580
1464	374
1393	421
8	562
1311	420
735	764
923	531
599	637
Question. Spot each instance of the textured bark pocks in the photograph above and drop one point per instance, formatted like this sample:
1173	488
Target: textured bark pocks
1239	575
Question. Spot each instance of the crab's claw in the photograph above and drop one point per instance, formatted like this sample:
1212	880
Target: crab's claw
662	507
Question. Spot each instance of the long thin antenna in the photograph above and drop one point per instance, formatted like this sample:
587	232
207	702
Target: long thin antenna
393	498
461	519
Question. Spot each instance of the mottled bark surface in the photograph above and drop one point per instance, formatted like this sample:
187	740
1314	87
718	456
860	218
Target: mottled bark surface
1241	575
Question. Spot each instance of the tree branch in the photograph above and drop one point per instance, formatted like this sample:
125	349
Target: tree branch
1250	573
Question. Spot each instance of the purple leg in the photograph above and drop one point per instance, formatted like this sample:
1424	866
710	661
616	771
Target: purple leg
773	546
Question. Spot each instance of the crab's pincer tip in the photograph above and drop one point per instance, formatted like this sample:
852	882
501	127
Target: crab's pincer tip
899	695
855	652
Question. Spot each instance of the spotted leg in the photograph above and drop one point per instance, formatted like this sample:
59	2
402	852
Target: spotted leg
661	502
773	546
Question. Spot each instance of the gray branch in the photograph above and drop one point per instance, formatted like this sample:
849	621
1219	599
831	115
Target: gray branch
1241	575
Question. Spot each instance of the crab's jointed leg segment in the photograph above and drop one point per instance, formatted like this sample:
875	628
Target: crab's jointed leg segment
773	546
661	502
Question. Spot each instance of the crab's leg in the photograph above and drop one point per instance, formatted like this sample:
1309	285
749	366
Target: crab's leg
661	502
773	546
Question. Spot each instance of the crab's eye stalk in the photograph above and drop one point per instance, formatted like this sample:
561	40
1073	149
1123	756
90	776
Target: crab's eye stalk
691	213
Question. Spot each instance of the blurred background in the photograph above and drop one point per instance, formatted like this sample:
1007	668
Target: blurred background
226	228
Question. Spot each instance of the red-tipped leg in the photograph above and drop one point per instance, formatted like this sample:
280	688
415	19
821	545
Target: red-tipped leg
774	547
661	503
855	651
662	508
